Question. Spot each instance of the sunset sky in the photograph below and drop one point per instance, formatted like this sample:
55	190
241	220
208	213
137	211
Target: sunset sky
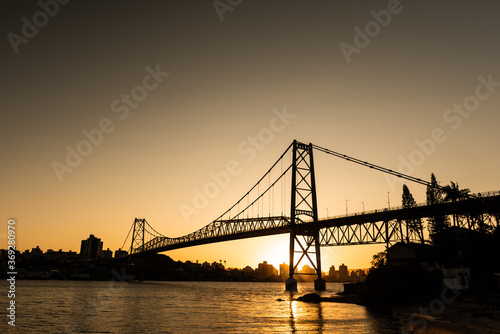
172	91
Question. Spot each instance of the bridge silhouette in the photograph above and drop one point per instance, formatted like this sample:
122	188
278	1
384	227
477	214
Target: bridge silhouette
291	188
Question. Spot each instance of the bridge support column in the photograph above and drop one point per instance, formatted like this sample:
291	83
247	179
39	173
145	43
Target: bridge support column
291	284
320	284
137	245
304	203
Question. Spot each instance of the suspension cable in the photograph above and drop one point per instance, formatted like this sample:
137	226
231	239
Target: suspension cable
158	233
128	235
248	192
261	196
376	167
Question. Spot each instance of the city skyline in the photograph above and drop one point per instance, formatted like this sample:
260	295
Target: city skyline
87	253
114	112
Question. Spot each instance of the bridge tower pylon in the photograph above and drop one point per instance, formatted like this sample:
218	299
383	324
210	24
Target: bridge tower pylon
137	245
304	206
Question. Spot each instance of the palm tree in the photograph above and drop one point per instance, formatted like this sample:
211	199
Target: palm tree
453	192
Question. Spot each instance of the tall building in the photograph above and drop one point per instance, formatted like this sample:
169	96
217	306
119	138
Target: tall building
343	273
284	269
266	270
332	274
91	248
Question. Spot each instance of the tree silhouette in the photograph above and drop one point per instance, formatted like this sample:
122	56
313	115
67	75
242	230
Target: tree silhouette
434	195
408	201
379	260
452	192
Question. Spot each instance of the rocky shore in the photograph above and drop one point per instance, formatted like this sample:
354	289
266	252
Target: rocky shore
456	317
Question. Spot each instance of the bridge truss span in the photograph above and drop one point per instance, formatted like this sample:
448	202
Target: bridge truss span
220	230
383	232
283	201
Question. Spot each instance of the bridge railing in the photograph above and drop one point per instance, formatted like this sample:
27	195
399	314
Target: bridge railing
223	228
220	229
395	208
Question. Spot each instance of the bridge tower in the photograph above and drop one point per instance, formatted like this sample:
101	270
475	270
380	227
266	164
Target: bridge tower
138	236
304	206
137	245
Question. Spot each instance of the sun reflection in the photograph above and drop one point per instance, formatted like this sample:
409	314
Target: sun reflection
306	317
293	312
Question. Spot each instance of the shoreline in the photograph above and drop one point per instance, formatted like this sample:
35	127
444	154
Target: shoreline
456	317
430	318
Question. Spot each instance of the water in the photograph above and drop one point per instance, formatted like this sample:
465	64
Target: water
183	307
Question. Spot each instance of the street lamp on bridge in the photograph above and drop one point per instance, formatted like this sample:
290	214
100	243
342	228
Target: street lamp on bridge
388	200
346	207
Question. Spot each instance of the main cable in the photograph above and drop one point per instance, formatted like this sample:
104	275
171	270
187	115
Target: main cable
376	167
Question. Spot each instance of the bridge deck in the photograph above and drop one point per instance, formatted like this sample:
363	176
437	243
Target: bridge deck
225	230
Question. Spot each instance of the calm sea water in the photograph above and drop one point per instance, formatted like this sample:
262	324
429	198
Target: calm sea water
183	307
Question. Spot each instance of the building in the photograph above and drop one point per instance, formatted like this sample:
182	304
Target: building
401	254
361	275
107	255
36	253
332	274
307	270
284	269
265	270
120	253
91	248
51	255
343	273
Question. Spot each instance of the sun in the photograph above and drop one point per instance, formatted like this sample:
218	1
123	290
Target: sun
277	254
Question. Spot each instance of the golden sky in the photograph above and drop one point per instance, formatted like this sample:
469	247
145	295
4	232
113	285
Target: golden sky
170	93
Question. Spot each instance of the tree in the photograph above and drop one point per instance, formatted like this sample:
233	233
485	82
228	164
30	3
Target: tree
452	192
379	260
408	201
434	195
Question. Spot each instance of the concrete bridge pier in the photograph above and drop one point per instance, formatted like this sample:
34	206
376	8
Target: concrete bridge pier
319	284
291	284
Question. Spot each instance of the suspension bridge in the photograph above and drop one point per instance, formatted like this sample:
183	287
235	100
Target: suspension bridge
284	201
